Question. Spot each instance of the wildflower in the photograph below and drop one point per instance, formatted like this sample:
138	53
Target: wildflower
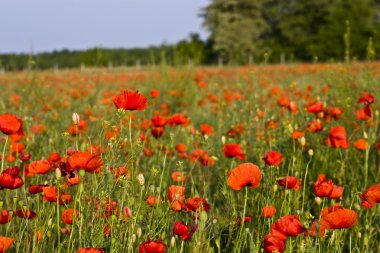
130	101
246	174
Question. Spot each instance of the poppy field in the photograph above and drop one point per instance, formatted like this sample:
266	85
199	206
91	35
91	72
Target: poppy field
272	158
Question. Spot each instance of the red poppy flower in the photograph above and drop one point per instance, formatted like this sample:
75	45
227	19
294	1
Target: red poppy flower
5	243
315	108
50	195
233	150
197	204
151	246
5	217
361	144
80	128
274	244
86	161
364	113
34	189
91	250
158	121
176	192
366	98
246	174
10	179
10	124
157	131
297	134
130	101
268	211
337	138
178	176
153	200
338	218
154	93
179	119
290	182
315	126
207	129
371	196
323	187
273	158
67	216
26	214
181	148
181	230
286	226
38	167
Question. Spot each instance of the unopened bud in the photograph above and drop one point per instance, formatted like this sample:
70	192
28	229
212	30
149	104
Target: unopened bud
223	139
172	241
357	206
365	135
141	179
139	232
303	141
290	127
58	173
76	118
133	238
318	201
310	152
359	235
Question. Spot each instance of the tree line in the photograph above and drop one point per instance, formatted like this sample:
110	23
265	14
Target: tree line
245	32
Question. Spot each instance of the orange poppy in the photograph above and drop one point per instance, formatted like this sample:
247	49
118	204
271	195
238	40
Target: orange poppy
86	161
5	243
130	101
178	176
268	211
361	144
38	167
246	174
337	218
207	129
10	124
67	216
371	196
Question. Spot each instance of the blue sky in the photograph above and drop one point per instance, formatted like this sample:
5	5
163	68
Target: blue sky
47	25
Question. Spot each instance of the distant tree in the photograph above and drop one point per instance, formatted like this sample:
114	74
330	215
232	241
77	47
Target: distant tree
236	27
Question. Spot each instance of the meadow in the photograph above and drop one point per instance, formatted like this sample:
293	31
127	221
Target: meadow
271	158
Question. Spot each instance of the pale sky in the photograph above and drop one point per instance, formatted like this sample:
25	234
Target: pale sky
47	25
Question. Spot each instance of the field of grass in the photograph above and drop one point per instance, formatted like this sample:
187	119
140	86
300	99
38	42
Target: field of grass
213	147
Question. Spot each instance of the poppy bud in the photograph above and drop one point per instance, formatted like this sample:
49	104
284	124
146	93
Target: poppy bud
172	241
303	141
75	118
58	173
365	135
318	200
133	238
139	232
310	152
141	179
